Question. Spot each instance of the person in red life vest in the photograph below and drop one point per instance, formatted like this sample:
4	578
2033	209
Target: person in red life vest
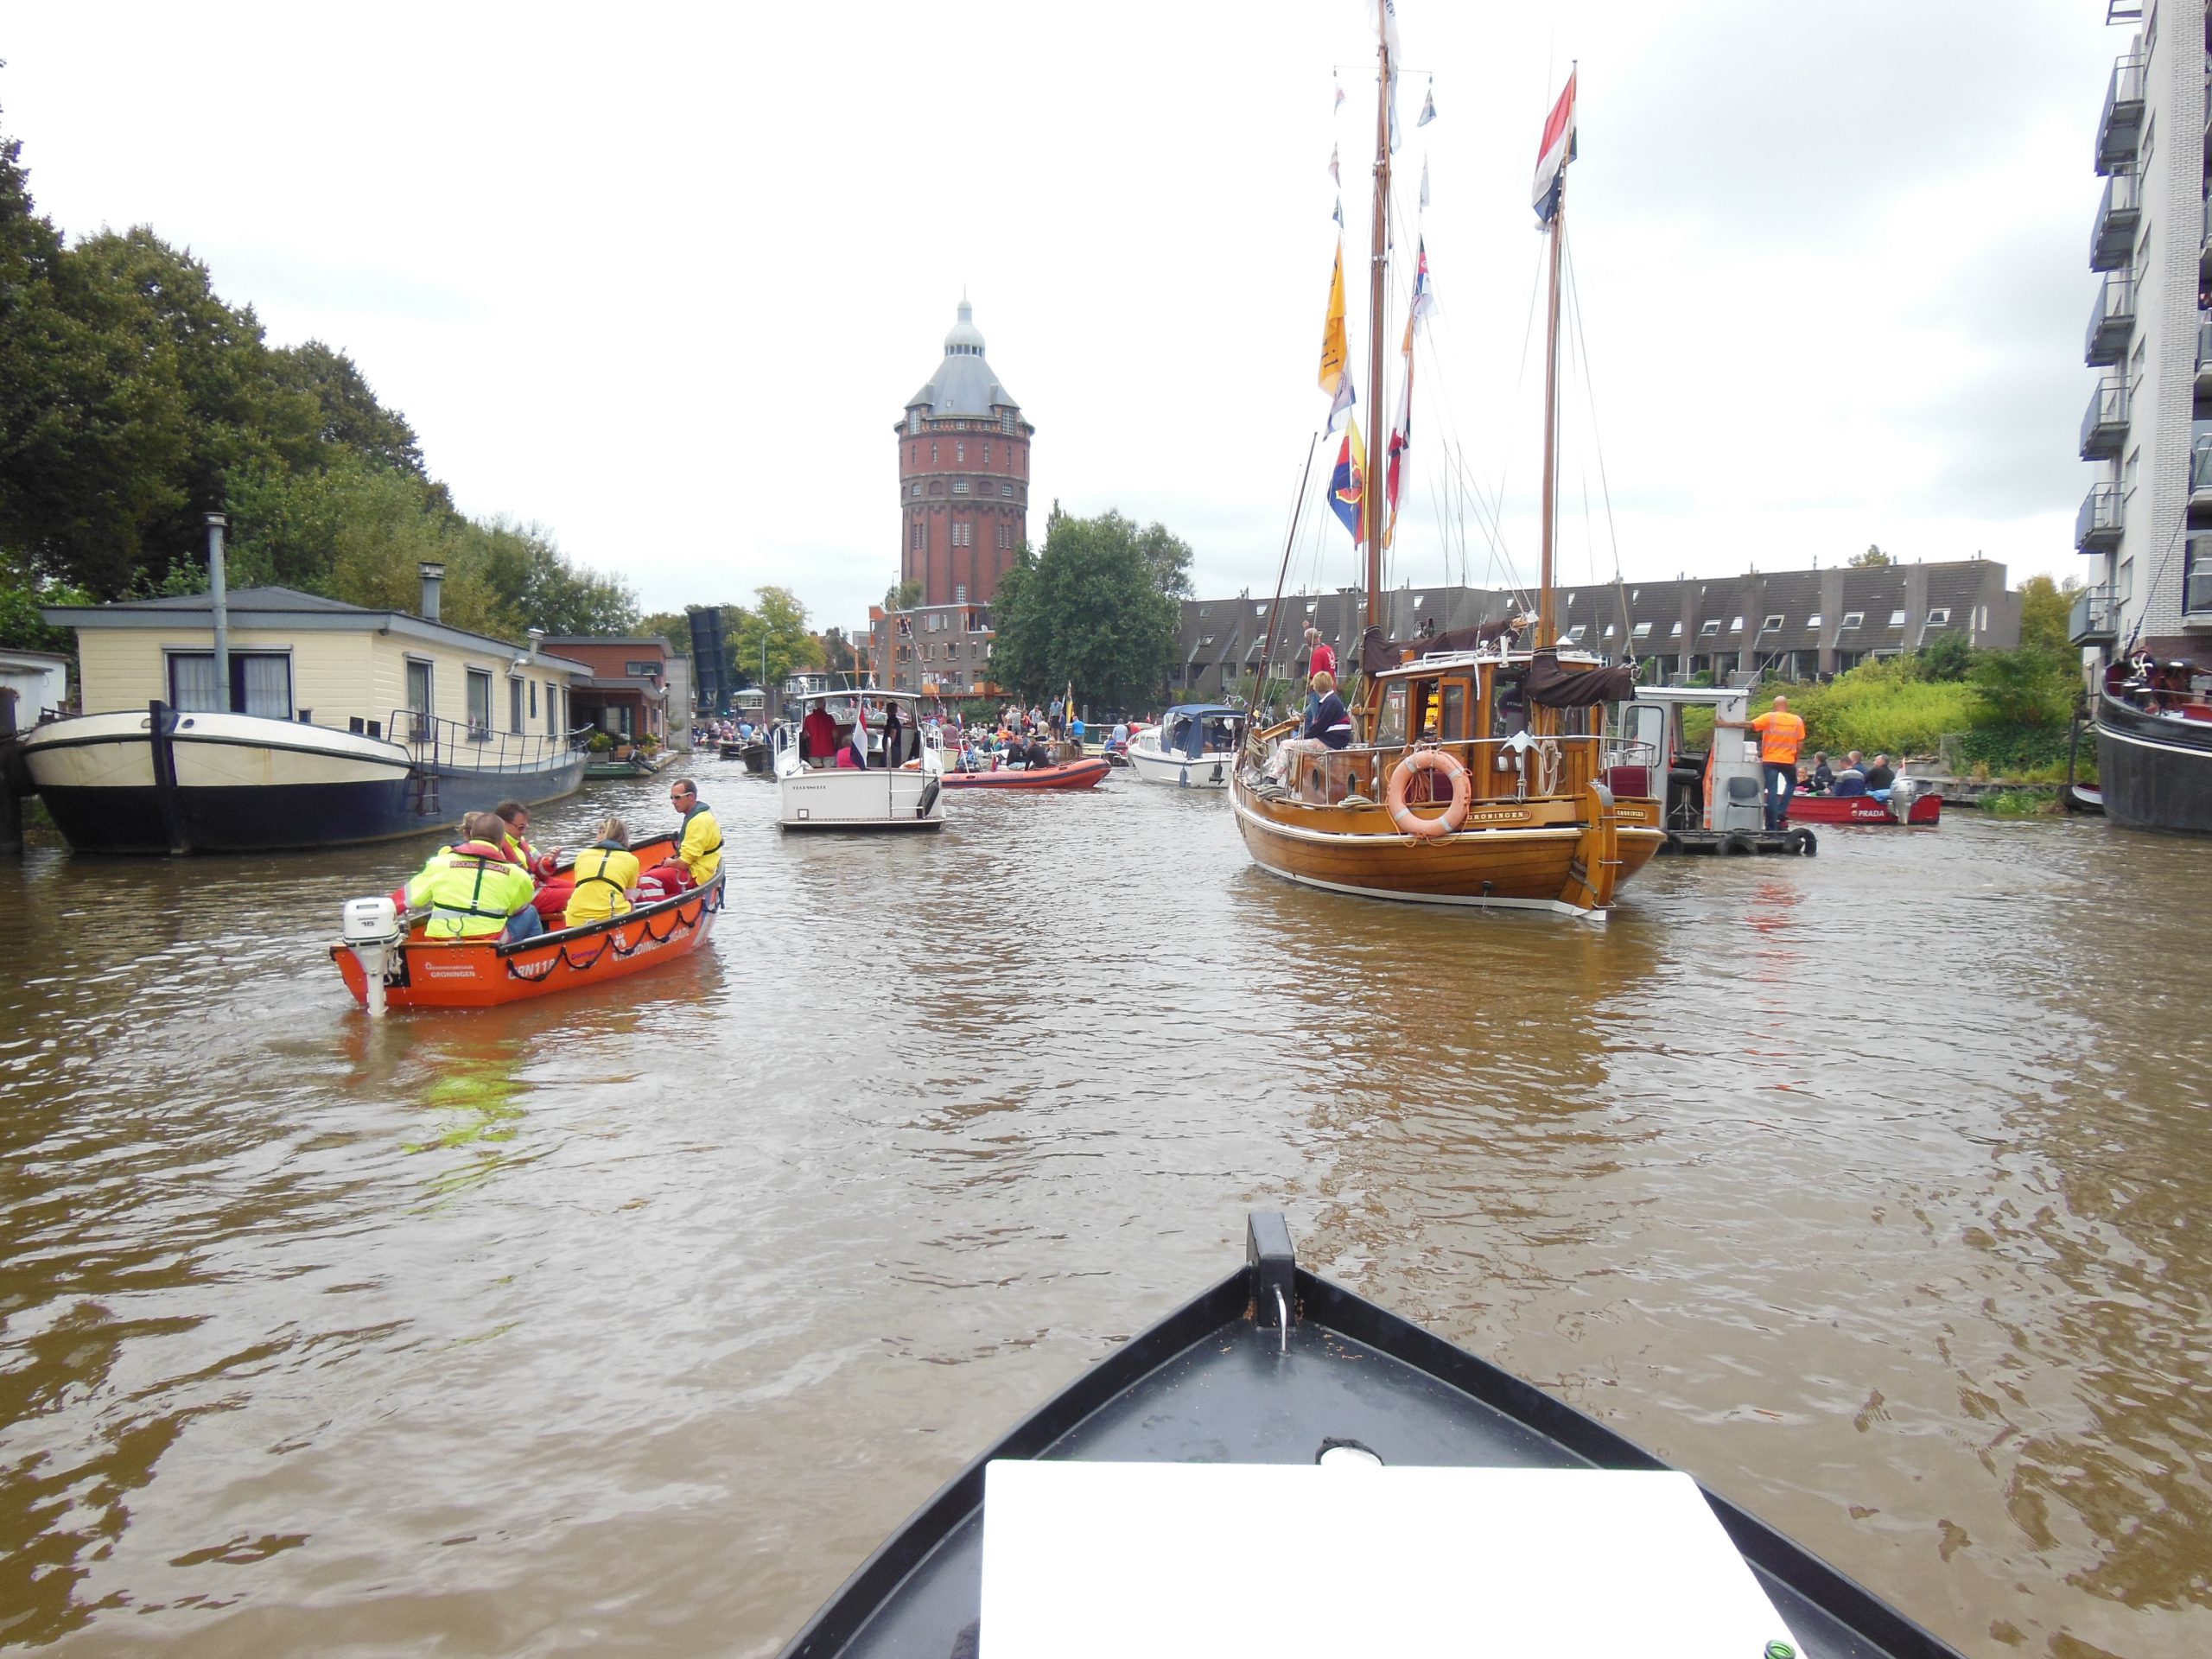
516	816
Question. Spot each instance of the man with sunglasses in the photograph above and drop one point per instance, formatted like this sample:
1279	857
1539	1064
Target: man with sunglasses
698	846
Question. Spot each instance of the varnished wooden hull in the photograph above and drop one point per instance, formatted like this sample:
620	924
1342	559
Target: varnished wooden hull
1533	856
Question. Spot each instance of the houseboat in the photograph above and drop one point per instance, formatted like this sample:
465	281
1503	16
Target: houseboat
267	719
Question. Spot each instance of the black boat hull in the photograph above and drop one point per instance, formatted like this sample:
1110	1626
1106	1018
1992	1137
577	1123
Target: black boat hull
2153	772
1220	1381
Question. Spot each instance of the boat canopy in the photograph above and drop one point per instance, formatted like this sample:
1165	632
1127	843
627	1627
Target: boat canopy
1202	709
1183	728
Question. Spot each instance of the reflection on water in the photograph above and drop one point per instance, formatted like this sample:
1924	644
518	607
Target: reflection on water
1866	1186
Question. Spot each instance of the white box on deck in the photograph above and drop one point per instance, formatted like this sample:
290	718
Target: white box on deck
1299	1561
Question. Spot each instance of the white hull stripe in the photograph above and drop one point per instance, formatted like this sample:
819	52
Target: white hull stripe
1556	907
2119	736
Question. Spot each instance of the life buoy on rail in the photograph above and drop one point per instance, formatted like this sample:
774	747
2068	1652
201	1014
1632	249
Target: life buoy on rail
1401	775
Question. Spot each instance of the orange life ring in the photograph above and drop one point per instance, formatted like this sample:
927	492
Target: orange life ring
1401	775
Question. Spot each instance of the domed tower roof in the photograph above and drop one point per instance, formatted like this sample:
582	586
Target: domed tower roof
963	384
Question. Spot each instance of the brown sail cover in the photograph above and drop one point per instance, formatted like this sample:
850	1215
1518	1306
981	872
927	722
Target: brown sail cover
1377	653
1558	687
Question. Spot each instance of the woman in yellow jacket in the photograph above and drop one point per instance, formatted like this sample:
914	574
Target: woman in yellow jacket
606	877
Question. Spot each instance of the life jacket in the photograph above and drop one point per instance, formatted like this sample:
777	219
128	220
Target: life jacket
471	890
703	862
591	869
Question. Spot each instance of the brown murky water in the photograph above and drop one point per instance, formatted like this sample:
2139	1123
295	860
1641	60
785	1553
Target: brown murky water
1871	1188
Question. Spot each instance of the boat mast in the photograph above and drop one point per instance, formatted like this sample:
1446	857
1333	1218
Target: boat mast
1369	493
1547	622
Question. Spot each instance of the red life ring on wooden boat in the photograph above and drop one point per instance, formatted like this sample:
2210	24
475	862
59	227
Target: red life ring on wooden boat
1401	775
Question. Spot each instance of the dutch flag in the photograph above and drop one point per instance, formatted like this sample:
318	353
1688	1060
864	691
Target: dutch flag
1557	151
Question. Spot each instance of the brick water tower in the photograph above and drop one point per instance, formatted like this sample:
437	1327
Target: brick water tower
964	476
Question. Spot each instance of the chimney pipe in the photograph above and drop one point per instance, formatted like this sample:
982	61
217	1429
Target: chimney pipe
219	605
433	574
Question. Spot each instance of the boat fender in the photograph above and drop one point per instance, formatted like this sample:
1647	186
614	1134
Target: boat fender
1735	842
930	793
1807	842
1401	777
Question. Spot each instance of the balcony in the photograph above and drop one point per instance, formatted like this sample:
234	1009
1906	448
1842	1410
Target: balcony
2196	585
2097	526
2095	618
2200	480
2204	355
2104	424
2119	215
2112	321
2120	129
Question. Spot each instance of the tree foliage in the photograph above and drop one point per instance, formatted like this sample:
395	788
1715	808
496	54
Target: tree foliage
1090	612
1872	557
134	400
902	595
777	621
2046	613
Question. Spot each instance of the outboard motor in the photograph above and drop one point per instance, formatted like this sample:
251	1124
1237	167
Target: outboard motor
371	930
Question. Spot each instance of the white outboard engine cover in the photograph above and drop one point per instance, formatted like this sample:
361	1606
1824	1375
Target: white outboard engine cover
370	929
370	919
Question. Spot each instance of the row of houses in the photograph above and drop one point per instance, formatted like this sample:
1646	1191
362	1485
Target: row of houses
1796	625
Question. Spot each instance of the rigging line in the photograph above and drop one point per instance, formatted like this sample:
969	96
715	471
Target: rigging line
1490	513
1598	443
1590	394
2135	634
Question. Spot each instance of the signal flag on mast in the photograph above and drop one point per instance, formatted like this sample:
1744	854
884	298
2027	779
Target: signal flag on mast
1336	374
1556	151
1348	484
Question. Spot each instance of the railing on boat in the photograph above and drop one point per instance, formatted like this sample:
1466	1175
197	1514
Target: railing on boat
465	746
1499	768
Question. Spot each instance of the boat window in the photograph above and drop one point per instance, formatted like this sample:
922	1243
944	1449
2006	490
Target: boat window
479	702
419	685
1508	707
533	699
1454	726
1390	726
514	706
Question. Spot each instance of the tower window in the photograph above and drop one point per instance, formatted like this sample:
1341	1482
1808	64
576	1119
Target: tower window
917	536
1006	490
960	486
932	455
960	455
986	455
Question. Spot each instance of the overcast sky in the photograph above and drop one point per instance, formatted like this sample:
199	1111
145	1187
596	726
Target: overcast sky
660	278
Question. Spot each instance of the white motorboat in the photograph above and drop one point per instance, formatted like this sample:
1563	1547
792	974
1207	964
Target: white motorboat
1194	746
818	785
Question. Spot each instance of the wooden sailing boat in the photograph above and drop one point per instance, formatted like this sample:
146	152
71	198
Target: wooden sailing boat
1543	811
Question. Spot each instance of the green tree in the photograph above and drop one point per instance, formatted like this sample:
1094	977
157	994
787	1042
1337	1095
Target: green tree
1088	612
2027	686
837	653
2046	609
902	595
1948	658
778	620
675	626
1872	556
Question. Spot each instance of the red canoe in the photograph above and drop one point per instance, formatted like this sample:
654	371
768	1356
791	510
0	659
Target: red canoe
1863	809
1069	774
485	974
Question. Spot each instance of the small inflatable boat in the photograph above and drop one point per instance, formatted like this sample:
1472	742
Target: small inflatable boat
1069	774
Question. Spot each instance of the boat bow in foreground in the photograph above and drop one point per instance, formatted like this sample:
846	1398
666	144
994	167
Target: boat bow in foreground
1274	1365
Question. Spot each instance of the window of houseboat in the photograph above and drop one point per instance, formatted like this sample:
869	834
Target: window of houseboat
480	702
514	705
1509	707
261	683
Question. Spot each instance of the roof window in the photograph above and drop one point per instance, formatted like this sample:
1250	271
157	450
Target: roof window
1707	630
1735	625
1897	619
1852	619
1674	632
1813	621
1642	631
1939	617
1772	625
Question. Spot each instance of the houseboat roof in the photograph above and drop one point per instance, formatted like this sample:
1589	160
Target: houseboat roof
285	609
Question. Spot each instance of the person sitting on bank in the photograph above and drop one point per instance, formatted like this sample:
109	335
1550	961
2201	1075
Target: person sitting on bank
818	736
473	890
606	877
698	845
1327	726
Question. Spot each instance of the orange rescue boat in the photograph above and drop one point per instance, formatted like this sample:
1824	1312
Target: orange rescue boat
387	962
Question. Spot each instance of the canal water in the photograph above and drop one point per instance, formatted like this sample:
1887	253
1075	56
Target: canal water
1871	1188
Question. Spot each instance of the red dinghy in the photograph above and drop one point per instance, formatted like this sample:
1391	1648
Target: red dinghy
1069	774
1925	810
411	971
